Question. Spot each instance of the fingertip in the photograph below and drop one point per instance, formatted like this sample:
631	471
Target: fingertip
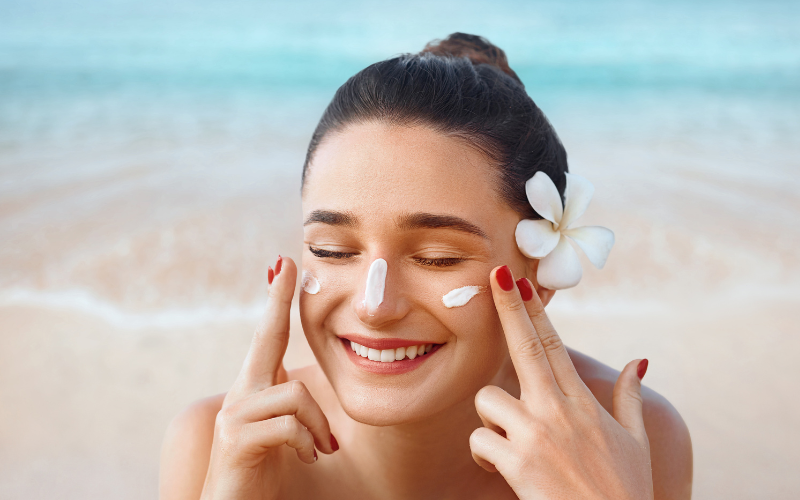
334	443
504	278
270	275
525	289
278	265
641	368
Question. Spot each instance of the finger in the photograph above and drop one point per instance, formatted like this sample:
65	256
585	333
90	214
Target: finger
489	449
627	400
278	431
499	411
527	352
564	371
291	398
269	343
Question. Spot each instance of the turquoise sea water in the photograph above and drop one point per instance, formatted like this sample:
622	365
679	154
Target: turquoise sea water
80	71
121	120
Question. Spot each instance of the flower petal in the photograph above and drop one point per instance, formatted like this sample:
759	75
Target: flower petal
576	199
536	238
595	241
561	268
543	197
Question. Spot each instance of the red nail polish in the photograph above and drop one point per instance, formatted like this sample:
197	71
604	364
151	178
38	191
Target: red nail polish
334	443
278	265
270	275
642	368
525	289
505	279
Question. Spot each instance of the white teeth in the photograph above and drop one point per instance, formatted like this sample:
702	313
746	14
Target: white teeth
391	355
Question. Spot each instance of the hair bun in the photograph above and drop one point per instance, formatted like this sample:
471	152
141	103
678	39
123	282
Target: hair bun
476	48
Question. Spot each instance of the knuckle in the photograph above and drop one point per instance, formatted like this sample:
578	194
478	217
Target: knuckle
225	416
552	343
483	396
297	389
513	305
530	348
291	426
478	437
488	396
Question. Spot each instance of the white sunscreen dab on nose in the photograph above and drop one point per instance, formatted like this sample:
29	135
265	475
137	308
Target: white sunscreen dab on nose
310	283
460	296
376	281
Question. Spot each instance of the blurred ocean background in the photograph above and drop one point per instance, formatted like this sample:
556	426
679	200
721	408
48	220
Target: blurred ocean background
150	157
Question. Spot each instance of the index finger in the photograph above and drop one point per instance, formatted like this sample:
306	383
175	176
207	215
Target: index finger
260	369
526	350
564	371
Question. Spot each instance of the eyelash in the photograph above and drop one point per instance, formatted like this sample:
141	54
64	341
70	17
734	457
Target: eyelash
437	262
327	254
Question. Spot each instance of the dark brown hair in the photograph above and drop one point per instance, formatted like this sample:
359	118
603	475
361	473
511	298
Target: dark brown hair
461	86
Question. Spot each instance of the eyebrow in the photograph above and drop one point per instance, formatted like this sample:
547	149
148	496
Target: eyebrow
418	220
437	221
332	218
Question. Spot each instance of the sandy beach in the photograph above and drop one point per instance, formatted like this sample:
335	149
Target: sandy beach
149	174
89	381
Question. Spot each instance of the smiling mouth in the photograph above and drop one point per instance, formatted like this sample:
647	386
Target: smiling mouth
391	355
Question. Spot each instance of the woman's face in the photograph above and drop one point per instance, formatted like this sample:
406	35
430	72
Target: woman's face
426	204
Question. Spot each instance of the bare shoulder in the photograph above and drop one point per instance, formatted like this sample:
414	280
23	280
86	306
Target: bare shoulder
186	450
670	443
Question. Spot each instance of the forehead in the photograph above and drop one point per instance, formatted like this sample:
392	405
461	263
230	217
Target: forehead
374	169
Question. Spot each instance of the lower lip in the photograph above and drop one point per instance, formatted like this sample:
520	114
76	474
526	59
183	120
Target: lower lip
392	368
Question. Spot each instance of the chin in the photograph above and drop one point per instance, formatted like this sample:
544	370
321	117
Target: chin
390	406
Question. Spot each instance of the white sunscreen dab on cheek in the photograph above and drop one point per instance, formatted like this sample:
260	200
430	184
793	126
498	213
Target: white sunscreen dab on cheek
310	283
376	281
460	296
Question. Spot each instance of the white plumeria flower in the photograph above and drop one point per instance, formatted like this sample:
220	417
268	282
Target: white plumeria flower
547	239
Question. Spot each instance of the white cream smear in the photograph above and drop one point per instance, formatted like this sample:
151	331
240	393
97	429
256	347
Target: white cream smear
376	282
310	284
460	296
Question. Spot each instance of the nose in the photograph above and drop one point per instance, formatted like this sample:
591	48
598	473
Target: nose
380	300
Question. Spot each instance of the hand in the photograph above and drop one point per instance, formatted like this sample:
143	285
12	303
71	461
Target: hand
263	411
556	441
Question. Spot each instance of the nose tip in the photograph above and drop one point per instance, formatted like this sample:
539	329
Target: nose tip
376	285
380	304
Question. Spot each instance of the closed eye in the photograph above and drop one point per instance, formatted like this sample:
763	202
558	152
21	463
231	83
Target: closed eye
439	262
330	254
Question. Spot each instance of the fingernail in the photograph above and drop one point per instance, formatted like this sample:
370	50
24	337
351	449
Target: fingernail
315	455
270	275
642	368
278	265
505	279
334	443
525	289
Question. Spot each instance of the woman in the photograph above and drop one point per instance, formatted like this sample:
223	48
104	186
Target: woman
439	374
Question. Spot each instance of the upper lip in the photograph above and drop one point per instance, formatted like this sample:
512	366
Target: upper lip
380	344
